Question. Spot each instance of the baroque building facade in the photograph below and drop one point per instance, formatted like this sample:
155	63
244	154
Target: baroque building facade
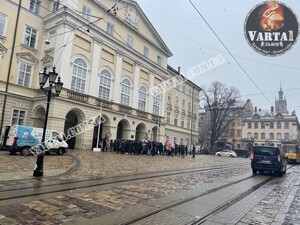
271	127
108	56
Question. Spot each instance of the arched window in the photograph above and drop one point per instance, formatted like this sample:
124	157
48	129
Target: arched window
156	100
104	85
255	125
125	92
262	136
279	136
79	73
256	135
271	136
249	135
142	98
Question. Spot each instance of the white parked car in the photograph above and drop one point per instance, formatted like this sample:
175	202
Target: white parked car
227	153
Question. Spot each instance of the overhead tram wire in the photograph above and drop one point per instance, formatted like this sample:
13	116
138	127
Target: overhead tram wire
220	51
242	68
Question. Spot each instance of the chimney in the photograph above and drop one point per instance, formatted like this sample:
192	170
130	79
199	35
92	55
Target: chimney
259	110
255	109
272	109
178	71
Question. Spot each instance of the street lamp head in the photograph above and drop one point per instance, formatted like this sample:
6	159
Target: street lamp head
43	77
58	86
52	76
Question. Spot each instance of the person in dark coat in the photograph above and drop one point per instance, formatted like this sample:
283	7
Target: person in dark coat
194	151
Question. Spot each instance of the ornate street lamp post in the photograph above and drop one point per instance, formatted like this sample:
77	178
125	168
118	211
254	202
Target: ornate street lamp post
43	77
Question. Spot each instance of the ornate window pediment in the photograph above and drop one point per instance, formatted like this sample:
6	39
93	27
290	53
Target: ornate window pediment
27	56
47	61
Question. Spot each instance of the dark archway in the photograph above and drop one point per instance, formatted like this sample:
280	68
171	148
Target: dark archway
123	130
39	117
103	130
140	132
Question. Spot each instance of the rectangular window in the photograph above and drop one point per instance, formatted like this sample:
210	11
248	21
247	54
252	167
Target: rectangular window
130	40
169	99
189	123
24	76
176	119
175	139
255	125
249	125
232	133
271	125
167	138
168	117
286	125
35	6
194	125
182	121
156	105
190	107
18	117
177	101
146	51
55	6
30	38
3	25
278	125
271	136
110	28
183	104
239	133
262	125
86	12
159	60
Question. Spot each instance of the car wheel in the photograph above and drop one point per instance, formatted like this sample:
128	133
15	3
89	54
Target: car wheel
25	151
60	151
254	171
218	154
231	156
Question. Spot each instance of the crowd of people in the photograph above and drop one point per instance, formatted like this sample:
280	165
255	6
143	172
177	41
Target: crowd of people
144	148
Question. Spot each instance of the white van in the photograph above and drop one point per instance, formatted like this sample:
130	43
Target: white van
23	139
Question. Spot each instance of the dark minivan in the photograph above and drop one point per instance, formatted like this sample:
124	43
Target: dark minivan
268	159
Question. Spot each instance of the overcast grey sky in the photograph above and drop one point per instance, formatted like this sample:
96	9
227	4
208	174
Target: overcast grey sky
192	42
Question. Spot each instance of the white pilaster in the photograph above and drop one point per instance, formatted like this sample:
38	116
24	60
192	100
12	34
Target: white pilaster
162	107
63	54
150	105
117	87
94	78
136	83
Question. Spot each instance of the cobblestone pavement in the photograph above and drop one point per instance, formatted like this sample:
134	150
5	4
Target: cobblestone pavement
82	205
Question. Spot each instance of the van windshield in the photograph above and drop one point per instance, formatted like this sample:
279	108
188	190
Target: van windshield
266	151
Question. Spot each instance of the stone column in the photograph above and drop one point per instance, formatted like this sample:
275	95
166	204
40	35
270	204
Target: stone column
136	83
117	86
94	80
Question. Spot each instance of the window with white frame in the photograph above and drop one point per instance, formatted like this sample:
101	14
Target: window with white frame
104	85
249	135
169	99
262	136
30	38
183	104
130	40
177	101
249	126
55	6
194	125
18	117
168	117
255	125
142	98
176	119
125	92
271	125
156	104
79	75
146	51
263	125
3	25
182	121
286	125
256	135
110	28
86	12
188	123
286	136
271	136
175	139
159	60
279	137
35	6
278	125
24	75
190	107
167	138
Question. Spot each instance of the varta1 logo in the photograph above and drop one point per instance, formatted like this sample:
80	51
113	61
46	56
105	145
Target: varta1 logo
271	28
